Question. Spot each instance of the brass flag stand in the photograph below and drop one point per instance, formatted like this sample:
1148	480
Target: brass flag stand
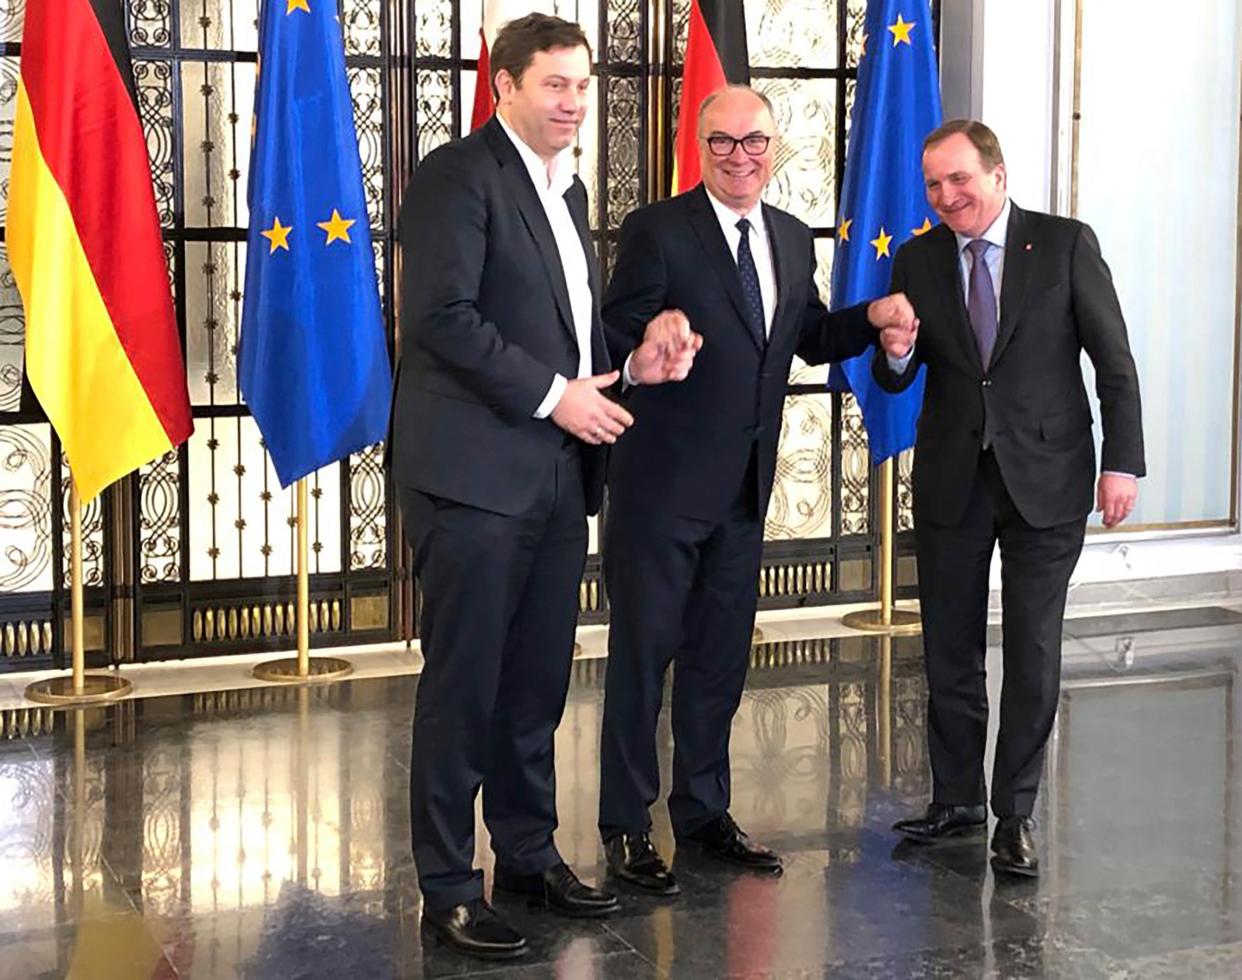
303	667
78	687
884	618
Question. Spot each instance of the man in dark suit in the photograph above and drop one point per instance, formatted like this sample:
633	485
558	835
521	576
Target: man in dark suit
689	484
499	419
1007	301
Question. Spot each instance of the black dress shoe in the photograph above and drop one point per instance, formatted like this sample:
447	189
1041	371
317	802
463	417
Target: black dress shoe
633	859
1013	847
475	929
941	821
724	840
558	889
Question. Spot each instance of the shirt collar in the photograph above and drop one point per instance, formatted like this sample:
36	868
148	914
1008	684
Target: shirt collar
995	233
729	218
562	173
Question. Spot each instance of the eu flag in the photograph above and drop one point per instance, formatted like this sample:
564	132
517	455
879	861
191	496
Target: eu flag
896	104
314	364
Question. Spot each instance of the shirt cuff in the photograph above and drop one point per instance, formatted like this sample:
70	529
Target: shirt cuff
1128	476
898	365
555	390
627	379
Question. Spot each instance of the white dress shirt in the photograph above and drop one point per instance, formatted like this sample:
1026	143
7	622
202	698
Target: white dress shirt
551	191
995	233
760	251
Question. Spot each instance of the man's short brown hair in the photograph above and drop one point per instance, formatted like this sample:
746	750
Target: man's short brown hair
519	40
982	138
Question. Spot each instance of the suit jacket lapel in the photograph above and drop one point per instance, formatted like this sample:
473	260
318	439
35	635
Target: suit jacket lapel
1013	280
719	258
947	272
525	196
576	198
783	250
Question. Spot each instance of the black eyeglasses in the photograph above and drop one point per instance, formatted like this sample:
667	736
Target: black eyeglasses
753	144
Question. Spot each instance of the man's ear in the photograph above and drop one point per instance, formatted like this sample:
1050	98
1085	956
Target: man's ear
505	83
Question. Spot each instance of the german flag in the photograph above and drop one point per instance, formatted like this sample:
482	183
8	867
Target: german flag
484	102
83	236
715	55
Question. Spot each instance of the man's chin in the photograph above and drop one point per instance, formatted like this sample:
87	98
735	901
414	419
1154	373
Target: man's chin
957	223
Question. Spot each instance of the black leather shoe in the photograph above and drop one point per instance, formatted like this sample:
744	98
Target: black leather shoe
1013	847
941	821
558	889
475	929
633	859
724	840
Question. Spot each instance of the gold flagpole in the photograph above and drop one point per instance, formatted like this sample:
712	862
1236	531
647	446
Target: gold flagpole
303	584
885	619
76	603
303	667
79	687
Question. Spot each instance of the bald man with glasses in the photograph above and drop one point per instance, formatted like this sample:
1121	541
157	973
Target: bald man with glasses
689	485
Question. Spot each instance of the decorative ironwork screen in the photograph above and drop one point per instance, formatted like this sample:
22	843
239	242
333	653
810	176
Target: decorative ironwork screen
194	554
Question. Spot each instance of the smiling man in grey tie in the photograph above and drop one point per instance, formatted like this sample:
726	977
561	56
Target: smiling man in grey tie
1007	300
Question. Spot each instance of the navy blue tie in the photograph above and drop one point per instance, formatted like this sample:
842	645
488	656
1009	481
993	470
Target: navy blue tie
750	283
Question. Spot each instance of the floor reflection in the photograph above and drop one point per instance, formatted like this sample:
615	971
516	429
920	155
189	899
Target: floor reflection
265	834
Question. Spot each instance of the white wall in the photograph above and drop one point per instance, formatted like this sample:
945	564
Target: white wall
997	65
1004	65
1017	94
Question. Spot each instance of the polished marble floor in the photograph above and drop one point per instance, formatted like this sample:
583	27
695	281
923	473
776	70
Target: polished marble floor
265	834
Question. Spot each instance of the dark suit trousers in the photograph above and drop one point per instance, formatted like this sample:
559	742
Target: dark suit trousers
500	605
681	589
1036	564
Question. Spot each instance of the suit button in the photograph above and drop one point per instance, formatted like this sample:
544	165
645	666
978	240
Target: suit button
987	382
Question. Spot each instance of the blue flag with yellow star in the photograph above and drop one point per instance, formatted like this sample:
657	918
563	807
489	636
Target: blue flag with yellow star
313	361
896	104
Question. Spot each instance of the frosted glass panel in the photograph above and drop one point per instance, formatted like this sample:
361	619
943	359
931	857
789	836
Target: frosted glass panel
1158	181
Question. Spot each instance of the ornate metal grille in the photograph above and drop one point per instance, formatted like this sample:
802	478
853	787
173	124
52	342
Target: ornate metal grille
804	55
194	553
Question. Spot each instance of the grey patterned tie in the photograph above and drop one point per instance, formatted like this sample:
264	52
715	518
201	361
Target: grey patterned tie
982	300
750	283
